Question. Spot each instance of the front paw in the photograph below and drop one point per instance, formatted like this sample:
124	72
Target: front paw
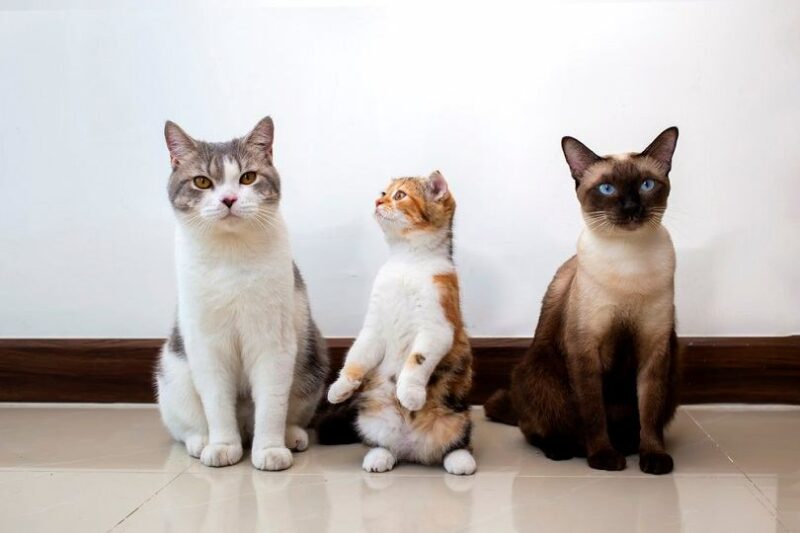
608	459
221	454
656	463
272	459
411	396
342	389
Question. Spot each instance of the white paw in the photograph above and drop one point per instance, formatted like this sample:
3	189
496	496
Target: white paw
221	454
411	396
195	445
272	459
460	463
378	460
296	438
342	389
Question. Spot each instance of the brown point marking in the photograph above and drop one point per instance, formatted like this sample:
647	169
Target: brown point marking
449	298
353	371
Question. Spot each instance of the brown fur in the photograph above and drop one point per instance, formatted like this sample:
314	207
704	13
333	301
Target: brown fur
610	392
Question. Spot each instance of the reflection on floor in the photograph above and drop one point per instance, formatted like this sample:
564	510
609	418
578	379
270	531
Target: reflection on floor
90	468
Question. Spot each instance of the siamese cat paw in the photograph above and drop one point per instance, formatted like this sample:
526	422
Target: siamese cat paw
609	459
656	463
272	459
342	389
296	438
378	460
195	445
221	454
411	396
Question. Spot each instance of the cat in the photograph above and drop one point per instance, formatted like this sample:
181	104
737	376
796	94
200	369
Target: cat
600	378
411	362
245	357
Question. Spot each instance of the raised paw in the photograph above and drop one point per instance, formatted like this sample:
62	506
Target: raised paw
221	454
411	396
656	463
342	389
460	463
272	459
296	438
378	460
608	459
195	445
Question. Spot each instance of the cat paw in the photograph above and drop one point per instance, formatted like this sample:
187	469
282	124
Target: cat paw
460	463
609	459
411	396
221	454
656	463
378	460
296	438
195	445
272	459
342	389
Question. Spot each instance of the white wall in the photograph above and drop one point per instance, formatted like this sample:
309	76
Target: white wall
362	94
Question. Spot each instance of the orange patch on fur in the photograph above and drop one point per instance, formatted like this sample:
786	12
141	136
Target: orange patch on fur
449	298
353	371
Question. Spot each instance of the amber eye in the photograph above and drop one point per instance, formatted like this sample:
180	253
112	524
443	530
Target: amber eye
399	195
202	182
248	178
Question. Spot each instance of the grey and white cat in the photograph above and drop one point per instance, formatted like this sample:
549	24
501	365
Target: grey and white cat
245	358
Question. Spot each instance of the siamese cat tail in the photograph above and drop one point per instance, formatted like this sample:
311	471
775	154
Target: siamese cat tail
336	424
500	409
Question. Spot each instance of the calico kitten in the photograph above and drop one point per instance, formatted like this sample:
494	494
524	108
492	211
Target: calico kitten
600	377
245	356
411	362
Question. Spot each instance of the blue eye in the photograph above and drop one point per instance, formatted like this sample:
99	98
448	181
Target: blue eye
606	189
647	185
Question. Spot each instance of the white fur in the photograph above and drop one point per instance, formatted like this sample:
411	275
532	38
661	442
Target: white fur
460	463
239	317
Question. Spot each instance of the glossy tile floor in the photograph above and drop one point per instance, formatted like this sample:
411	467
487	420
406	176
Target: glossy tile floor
90	468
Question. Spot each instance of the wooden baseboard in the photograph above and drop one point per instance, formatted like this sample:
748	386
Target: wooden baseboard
715	369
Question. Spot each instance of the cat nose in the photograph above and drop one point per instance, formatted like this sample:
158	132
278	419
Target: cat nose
228	200
630	207
378	202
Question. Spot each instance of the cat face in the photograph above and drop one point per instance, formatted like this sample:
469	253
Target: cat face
226	186
415	205
622	192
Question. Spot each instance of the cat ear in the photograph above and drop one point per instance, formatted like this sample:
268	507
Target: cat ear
179	143
262	135
437	186
662	148
578	156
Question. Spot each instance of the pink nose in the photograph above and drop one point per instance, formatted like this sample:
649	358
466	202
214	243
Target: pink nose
229	200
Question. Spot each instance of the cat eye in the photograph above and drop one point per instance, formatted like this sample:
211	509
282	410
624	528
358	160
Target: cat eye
648	185
248	178
399	195
606	189
202	182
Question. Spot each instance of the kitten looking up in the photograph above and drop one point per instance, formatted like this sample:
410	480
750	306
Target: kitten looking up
600	377
245	357
411	362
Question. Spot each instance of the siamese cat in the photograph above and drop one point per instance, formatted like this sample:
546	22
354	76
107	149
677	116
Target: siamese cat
600	378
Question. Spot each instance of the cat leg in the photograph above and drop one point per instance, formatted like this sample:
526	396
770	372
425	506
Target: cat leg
656	405
378	460
365	354
296	438
586	376
460	462
271	367
212	367
178	402
432	343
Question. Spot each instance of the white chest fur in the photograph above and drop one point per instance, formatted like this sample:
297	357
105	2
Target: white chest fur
626	273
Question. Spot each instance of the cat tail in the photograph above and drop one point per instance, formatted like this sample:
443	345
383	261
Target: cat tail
336	424
500	409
